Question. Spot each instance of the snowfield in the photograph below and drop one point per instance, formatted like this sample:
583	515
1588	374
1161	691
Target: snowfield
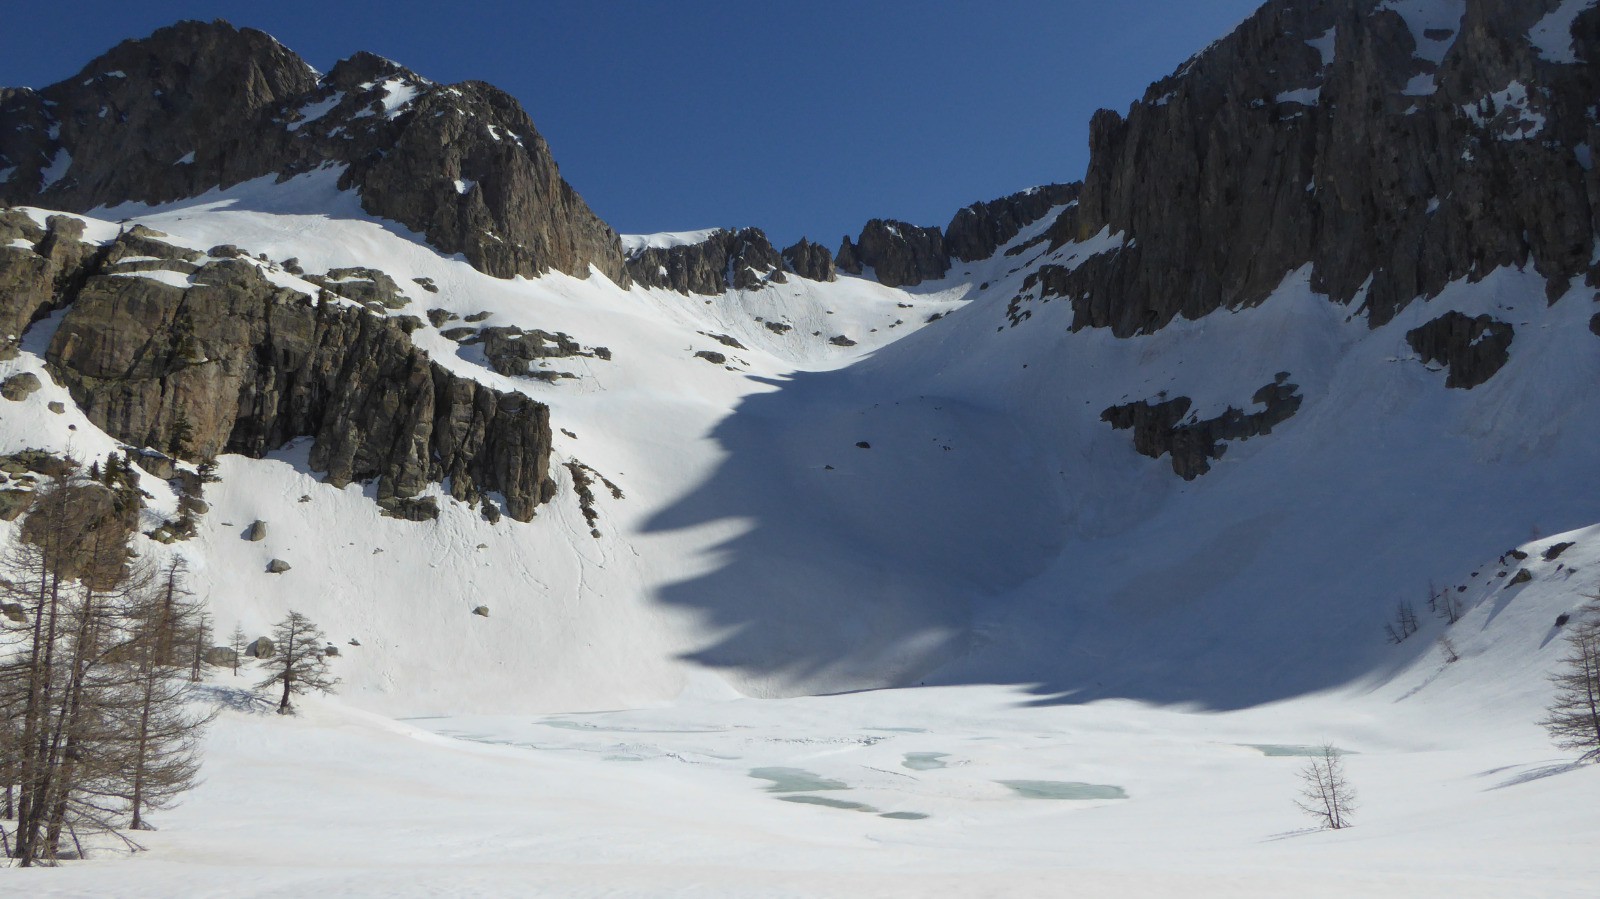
993	652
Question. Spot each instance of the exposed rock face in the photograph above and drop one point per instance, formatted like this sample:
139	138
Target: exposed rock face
903	255
1159	428
129	118
899	254
1473	348
33	282
200	105
364	285
245	367
511	349
467	168
810	260
847	259
978	231
1332	135
727	260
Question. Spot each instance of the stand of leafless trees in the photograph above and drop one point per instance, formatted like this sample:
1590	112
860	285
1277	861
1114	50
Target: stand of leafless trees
97	729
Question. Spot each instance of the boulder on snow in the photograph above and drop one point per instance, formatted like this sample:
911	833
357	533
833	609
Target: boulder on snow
221	657
482	611
57	407
277	566
14	611
1554	552
256	532
20	386
261	648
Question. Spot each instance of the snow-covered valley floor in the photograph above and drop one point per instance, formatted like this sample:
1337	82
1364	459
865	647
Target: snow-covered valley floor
735	797
940	503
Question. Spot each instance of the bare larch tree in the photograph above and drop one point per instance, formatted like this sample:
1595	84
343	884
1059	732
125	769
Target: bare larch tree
299	663
1325	794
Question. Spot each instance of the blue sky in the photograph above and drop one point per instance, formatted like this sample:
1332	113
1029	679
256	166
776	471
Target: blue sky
800	118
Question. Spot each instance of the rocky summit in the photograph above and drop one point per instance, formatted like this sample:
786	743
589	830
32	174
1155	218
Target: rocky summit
198	106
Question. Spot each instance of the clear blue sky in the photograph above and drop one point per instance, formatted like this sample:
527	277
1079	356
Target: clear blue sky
798	117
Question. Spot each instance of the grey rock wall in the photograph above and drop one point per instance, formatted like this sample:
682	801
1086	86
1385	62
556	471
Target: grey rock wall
247	367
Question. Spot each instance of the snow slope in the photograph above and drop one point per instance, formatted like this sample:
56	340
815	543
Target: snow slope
1086	616
940	791
995	530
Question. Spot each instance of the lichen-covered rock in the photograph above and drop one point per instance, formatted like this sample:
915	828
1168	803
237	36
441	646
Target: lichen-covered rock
13	503
20	386
1474	349
726	260
221	657
899	254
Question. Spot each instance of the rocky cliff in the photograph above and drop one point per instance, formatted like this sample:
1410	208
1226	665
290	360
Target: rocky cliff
195	355
1391	146
900	254
202	105
726	260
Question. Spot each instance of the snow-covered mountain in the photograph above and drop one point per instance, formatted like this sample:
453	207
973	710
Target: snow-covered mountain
1316	335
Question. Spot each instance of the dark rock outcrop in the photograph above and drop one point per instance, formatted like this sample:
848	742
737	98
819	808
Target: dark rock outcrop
899	254
511	350
978	231
1325	134
363	285
1159	428
201	105
727	260
239	365
810	260
1474	349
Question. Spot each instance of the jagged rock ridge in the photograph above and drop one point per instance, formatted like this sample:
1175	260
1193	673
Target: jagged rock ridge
201	105
1390	152
725	260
